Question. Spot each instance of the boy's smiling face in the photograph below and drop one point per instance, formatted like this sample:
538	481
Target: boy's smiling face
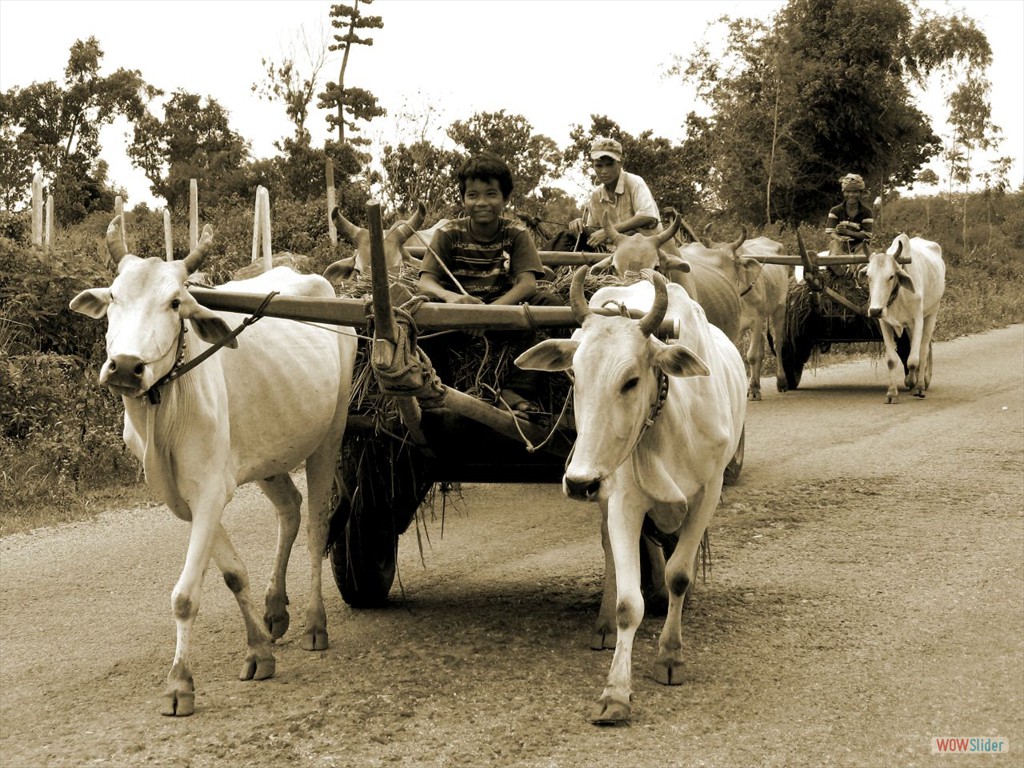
483	201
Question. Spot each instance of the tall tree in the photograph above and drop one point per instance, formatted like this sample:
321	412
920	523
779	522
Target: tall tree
670	171
350	103
56	128
821	89
192	141
533	158
294	82
419	172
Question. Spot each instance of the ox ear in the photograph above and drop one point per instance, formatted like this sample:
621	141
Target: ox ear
670	263
905	280
208	325
677	360
604	265
412	261
548	355
91	303
340	270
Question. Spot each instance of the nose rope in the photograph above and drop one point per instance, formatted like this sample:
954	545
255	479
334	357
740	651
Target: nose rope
153	393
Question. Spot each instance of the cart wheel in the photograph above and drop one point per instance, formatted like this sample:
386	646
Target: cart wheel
385	481
735	465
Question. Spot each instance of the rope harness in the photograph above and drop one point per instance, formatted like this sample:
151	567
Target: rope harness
180	368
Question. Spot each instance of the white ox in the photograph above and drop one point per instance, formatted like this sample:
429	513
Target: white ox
907	296
278	397
763	290
657	423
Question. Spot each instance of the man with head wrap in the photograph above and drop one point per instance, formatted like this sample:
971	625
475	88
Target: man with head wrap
849	223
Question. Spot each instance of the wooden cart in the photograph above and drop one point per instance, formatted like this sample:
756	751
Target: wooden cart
393	456
828	307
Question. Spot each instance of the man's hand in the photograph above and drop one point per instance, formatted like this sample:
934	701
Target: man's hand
598	238
462	299
576	226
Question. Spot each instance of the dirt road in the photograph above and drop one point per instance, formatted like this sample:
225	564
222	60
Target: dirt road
866	595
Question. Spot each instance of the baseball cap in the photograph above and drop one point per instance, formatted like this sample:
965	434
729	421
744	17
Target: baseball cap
602	146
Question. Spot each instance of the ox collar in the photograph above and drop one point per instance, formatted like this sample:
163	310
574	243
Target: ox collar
656	406
180	367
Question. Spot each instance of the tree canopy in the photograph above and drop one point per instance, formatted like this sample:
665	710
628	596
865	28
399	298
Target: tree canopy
56	128
821	90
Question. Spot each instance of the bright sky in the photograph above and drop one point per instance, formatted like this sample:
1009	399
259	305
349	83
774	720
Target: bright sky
536	58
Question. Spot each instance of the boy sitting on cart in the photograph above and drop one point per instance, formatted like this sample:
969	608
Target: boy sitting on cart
487	258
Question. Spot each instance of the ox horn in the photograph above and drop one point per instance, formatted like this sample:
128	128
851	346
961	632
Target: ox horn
734	246
403	230
650	322
115	240
609	230
195	259
346	227
690	233
577	302
668	234
705	238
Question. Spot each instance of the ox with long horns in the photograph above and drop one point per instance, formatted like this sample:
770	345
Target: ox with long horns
657	423
703	282
204	420
395	254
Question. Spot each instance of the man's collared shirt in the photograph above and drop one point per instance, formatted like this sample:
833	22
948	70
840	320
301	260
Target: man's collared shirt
632	196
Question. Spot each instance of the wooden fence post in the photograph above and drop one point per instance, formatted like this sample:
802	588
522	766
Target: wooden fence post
119	211
261	228
331	230
49	222
168	236
37	208
193	215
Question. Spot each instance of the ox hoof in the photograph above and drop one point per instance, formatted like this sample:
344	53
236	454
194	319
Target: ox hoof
892	399
668	671
602	641
754	394
178	703
918	393
277	624
610	712
315	640
256	668
781	385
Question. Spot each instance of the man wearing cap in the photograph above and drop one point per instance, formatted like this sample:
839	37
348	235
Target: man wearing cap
849	223
625	197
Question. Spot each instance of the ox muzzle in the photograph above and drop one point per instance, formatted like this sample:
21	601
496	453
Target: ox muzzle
581	489
125	375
